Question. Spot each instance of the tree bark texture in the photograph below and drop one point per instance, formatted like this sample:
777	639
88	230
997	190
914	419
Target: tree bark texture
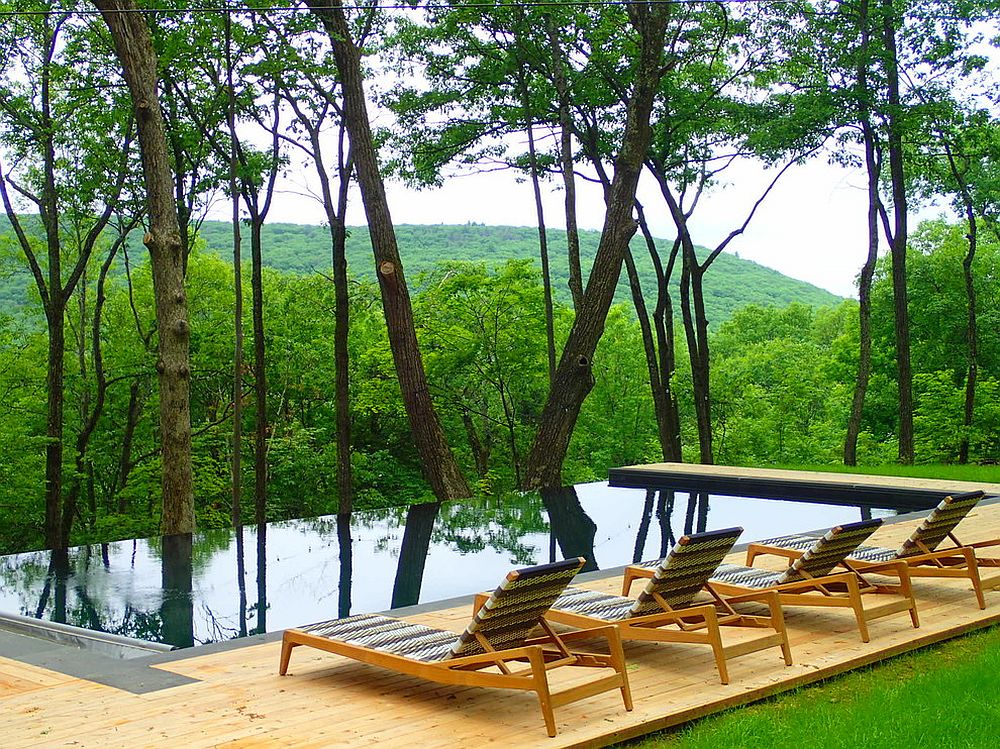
439	465
574	376
134	48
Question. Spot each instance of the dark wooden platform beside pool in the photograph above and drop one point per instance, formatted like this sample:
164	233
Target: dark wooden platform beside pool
235	697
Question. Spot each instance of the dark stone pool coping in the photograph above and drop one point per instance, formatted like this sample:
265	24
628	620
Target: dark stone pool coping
139	675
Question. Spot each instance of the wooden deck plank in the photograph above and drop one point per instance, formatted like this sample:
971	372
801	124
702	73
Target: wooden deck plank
240	702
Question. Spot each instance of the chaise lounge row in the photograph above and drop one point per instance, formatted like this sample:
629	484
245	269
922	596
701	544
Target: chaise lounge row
689	596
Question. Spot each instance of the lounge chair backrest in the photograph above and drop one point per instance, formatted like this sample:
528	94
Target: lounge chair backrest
515	608
685	570
820	558
939	523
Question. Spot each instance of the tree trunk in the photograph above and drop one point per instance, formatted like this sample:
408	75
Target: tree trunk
971	322
566	164
259	369
574	376
660	405
898	239
874	168
663	325
438	462
236	460
543	244
134	48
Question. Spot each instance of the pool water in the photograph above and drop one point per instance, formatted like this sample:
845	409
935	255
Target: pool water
219	585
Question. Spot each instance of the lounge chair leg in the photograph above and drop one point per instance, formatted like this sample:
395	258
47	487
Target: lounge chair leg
715	640
907	585
854	595
618	661
541	680
627	581
977	584
778	622
286	654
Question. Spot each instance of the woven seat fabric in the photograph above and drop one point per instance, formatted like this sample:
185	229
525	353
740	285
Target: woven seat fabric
829	551
603	606
939	523
799	542
747	577
685	570
388	635
516	607
873	554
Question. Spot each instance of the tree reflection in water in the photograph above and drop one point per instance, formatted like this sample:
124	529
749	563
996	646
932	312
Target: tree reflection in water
177	607
181	590
413	553
570	525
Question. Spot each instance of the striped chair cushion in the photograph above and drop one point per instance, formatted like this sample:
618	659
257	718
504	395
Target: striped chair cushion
685	570
747	577
862	553
820	558
388	635
515	608
939	523
591	603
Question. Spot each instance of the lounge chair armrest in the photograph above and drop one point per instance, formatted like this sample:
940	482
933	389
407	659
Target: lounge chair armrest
604	632
757	550
984	544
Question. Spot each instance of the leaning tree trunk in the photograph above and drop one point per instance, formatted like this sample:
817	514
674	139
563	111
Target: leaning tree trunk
574	376
438	462
134	48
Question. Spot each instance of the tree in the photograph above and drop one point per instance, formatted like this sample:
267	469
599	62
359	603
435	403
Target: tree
439	464
134	49
72	152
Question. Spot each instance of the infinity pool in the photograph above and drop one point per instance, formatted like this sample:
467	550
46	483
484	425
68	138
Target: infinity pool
220	585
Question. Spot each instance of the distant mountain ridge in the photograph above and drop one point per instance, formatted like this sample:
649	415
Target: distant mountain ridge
731	283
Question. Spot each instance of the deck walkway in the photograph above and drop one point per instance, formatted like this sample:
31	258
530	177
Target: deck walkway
848	488
238	701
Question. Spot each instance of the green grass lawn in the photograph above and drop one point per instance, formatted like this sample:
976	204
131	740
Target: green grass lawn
990	474
946	695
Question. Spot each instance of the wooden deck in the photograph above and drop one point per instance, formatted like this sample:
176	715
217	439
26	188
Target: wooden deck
240	701
850	488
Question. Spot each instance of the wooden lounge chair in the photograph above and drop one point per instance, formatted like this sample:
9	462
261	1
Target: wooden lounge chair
809	579
666	611
497	638
921	551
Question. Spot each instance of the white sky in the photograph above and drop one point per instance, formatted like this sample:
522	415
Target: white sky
811	226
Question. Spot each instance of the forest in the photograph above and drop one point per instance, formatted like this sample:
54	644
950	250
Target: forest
162	372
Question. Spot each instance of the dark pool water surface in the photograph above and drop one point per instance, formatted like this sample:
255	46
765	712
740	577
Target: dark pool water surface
221	585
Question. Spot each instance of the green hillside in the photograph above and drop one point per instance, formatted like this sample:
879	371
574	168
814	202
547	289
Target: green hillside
300	248
730	284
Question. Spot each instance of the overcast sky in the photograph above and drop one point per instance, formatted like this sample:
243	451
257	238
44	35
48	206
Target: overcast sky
811	227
